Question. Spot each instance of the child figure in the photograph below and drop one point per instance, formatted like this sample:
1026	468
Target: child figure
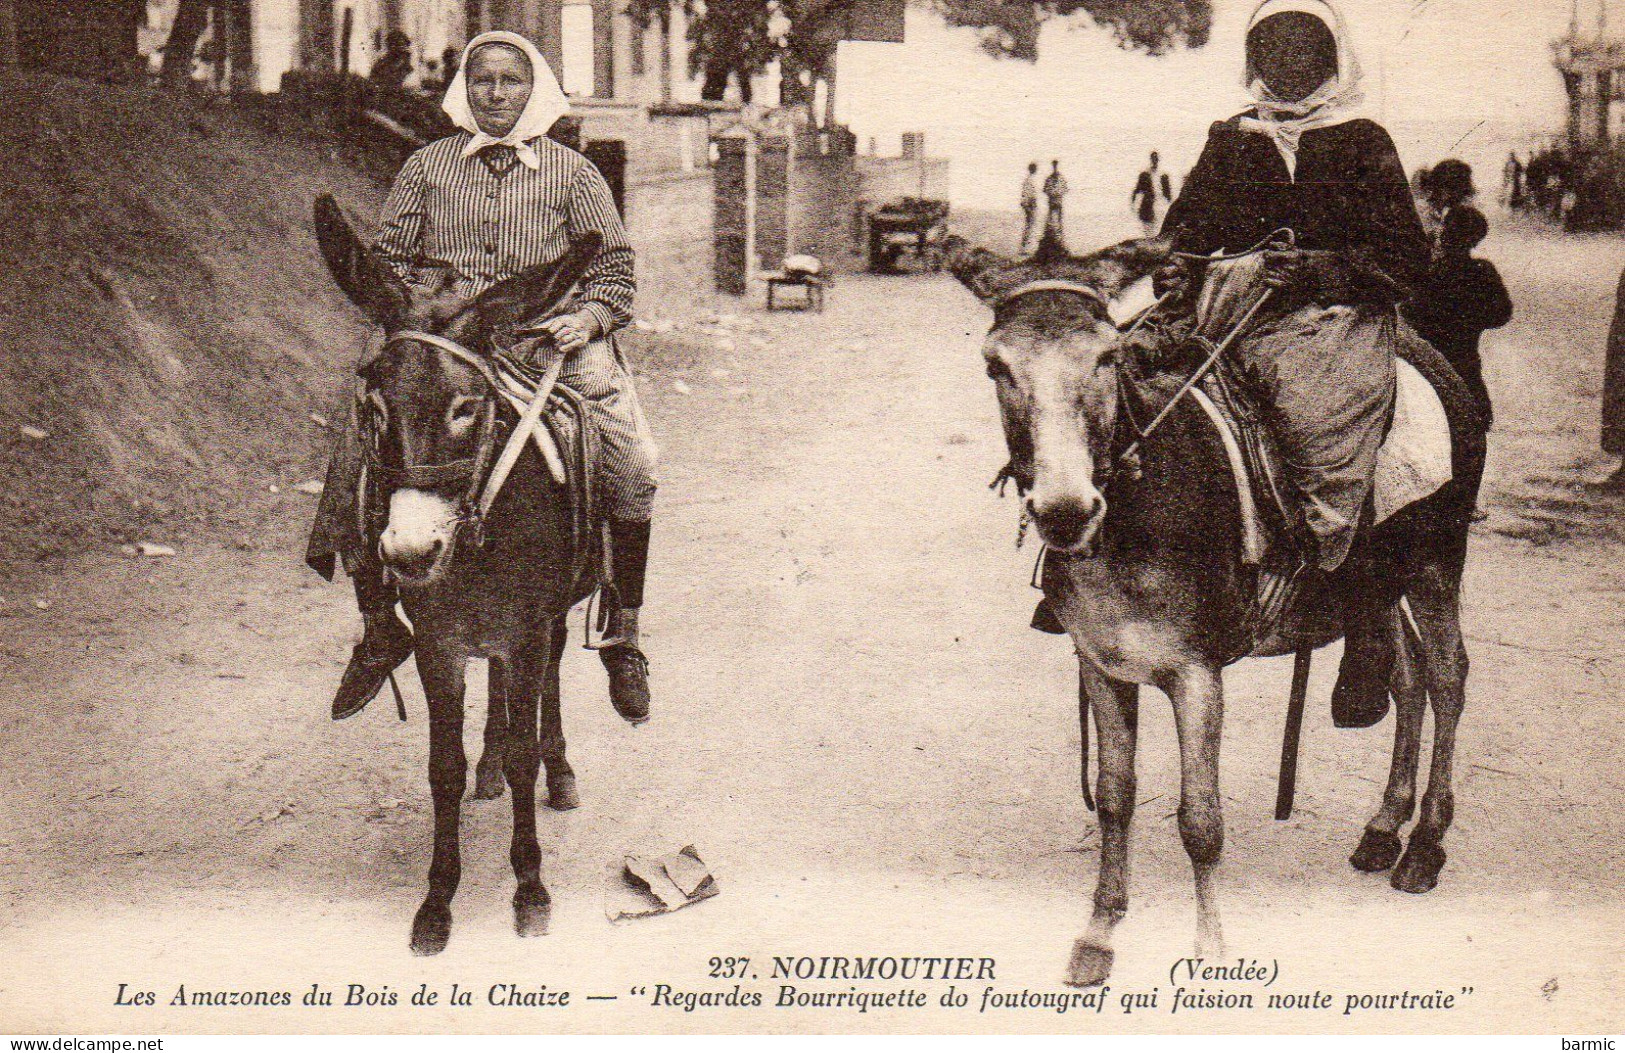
1464	296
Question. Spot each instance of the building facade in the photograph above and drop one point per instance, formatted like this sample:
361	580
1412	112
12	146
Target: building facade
1592	61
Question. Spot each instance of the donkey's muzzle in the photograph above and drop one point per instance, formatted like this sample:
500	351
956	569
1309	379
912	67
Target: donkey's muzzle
419	535
417	565
1069	524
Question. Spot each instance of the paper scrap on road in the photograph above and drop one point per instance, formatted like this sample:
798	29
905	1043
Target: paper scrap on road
31	432
310	486
661	885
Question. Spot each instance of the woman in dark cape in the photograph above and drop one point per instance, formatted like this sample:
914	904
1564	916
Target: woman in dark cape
1320	356
1613	388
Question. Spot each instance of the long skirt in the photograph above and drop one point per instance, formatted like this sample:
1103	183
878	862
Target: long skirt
625	470
1613	383
1324	381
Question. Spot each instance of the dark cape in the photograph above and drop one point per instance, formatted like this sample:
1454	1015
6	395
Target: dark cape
1350	195
1613	387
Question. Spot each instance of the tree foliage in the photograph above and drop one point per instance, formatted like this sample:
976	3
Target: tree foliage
740	37
1010	28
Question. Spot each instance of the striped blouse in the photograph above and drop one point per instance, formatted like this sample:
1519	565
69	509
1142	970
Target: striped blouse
489	221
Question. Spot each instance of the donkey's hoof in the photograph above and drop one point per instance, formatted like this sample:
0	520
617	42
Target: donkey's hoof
431	929
1091	964
488	783
531	911
561	793
1418	871
1378	850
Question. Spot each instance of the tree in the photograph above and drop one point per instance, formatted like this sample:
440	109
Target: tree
740	37
727	39
230	20
1010	28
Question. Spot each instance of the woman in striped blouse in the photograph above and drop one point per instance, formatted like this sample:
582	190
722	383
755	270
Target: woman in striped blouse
489	202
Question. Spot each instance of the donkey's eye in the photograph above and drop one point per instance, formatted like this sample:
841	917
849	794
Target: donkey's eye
462	409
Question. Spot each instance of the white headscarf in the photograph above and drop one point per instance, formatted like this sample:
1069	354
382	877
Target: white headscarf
1334	102
545	106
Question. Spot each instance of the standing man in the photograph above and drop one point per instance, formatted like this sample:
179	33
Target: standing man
1029	209
394	66
1152	181
1463	297
1512	176
1055	189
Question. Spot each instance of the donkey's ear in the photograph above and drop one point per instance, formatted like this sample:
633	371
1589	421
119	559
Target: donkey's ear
365	279
984	273
533	293
1115	268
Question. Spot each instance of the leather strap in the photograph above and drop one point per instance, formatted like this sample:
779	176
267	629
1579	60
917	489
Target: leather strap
1052	285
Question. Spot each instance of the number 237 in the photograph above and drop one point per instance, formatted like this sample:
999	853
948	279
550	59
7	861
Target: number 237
729	968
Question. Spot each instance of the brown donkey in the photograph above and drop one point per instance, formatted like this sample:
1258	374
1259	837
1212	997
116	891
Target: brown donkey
1151	584
494	586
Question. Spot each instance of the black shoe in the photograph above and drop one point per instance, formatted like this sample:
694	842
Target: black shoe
380	651
628	681
1360	698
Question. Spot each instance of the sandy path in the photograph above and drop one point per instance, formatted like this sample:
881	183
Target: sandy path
852	725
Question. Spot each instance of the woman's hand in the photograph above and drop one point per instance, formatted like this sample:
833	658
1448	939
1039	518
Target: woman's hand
571	332
1176	278
1288	269
1322	276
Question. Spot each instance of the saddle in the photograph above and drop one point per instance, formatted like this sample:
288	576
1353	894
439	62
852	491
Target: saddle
573	429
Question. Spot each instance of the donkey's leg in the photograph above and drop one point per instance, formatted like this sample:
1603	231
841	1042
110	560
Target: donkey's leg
1436	601
488	782
442	675
1380	846
1197	692
521	675
561	780
1117	717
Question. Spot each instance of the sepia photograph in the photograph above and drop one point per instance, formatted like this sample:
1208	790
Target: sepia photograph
772	517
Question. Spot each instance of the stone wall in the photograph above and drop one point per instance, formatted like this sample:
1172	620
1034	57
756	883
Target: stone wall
671	222
823	209
775	182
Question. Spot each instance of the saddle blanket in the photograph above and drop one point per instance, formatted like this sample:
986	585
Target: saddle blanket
1414	461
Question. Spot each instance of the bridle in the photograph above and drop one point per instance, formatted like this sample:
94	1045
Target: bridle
1126	456
1106	468
474	473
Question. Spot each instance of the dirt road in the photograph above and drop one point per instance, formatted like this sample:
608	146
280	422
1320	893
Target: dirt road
853	726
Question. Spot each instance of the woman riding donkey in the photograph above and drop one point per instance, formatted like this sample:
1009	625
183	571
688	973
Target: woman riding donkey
466	212
1320	355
